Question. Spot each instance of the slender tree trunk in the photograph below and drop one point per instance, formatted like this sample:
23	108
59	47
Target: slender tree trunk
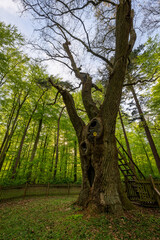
8	124
65	161
2	155
17	159
6	168
36	140
57	144
43	155
127	142
75	161
62	160
6	146
147	131
34	149
53	154
38	166
28	152
148	160
125	136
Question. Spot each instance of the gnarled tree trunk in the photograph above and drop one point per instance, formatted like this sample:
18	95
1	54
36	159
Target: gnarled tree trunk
101	188
99	169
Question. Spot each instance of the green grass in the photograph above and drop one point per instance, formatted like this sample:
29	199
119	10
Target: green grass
45	218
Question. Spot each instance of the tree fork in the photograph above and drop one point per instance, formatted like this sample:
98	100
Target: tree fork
87	85
101	189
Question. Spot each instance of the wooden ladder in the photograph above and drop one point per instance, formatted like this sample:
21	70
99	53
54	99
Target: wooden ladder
138	188
125	164
125	169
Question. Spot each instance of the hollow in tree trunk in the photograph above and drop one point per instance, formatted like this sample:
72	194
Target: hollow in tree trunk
101	188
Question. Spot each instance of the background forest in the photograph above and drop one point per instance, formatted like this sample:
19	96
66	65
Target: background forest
37	141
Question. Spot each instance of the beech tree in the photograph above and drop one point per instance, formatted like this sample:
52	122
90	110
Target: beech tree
12	61
66	30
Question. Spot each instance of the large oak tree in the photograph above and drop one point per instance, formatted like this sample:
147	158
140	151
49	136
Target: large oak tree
99	28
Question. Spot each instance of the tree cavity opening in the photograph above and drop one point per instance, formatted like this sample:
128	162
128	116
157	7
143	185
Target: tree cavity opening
91	175
95	128
93	123
84	147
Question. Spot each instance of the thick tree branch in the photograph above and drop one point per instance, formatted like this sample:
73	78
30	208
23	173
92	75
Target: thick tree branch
88	102
73	64
132	34
86	80
77	122
112	98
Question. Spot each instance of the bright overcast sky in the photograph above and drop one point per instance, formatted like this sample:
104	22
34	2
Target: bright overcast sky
10	14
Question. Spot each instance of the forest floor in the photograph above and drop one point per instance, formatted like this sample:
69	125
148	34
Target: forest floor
56	218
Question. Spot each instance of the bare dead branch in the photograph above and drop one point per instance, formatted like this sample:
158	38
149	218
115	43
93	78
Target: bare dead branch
141	81
79	8
55	100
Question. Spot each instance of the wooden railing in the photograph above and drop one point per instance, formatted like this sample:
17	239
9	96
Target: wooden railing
144	191
157	192
28	190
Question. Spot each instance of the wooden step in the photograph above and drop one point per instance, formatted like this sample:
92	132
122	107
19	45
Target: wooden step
122	165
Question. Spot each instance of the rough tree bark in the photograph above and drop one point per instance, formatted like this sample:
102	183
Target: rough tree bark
101	188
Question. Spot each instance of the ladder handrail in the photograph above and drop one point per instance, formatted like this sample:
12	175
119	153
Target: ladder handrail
126	163
155	189
130	159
